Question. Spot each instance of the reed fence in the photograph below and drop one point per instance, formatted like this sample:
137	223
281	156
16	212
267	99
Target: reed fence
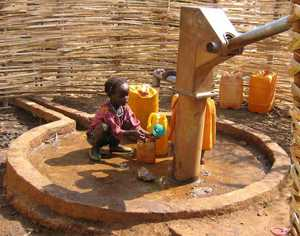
67	46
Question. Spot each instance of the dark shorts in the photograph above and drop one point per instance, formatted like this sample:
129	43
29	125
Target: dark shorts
101	136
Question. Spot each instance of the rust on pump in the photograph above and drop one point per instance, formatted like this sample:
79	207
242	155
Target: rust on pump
207	38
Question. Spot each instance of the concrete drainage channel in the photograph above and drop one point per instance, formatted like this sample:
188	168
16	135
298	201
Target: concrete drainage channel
36	196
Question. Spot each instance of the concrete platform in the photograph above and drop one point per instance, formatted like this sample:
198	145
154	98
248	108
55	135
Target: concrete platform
113	183
58	175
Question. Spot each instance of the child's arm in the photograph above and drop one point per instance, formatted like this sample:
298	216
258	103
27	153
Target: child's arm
135	128
136	133
115	128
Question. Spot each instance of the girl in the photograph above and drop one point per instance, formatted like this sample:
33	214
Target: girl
113	121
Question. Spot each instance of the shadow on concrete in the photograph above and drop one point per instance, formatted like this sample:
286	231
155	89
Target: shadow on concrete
109	183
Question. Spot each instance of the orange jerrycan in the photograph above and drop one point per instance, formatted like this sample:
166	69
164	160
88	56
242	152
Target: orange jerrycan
231	90
145	151
143	100
161	144
209	132
262	91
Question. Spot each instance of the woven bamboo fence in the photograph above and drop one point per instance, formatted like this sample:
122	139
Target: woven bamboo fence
295	114
67	46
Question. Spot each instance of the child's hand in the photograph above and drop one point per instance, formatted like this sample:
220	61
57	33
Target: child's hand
150	136
146	134
141	135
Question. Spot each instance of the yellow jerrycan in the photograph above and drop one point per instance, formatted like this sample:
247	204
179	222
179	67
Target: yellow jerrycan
262	91
209	132
171	133
143	100
231	90
161	144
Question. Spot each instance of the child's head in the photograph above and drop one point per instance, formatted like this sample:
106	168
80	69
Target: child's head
117	90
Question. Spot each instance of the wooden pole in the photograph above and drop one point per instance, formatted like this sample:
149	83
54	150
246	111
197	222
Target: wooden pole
192	76
190	115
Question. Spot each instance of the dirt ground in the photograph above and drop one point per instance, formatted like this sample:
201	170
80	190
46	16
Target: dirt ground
257	219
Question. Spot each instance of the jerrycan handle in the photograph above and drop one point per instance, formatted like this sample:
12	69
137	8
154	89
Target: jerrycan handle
154	125
149	123
273	84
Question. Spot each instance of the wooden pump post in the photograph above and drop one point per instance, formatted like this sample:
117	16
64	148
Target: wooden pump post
207	38
198	27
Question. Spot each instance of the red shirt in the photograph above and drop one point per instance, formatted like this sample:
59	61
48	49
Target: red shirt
107	114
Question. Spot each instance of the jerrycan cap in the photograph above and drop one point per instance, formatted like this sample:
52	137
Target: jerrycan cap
158	130
144	90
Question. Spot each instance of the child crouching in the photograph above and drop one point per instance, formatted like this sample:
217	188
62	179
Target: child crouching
114	121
